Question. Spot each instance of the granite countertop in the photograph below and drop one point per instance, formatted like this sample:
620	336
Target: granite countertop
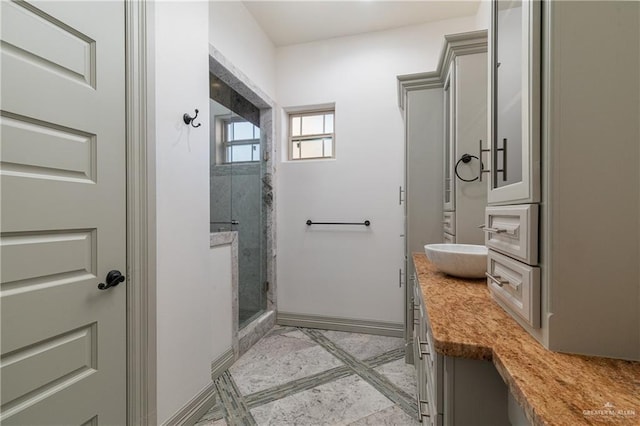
553	388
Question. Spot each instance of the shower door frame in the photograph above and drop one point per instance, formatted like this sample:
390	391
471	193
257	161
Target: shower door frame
238	81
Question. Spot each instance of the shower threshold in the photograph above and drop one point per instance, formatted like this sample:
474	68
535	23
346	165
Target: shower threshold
247	316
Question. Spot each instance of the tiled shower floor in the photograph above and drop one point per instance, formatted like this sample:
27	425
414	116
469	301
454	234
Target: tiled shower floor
298	376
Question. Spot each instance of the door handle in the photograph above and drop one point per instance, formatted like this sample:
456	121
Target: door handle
113	279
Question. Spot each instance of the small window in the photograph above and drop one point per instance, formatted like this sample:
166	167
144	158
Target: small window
241	141
311	135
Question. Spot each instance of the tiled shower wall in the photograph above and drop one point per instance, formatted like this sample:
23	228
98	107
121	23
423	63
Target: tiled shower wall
236	194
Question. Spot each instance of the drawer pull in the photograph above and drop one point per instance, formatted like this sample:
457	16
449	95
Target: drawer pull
420	413
500	281
420	351
513	231
497	279
494	230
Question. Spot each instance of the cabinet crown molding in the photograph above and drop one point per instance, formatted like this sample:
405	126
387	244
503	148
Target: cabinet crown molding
454	45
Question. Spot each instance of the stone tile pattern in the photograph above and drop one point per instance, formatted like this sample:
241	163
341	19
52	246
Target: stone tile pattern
401	374
552	387
377	380
302	377
392	416
279	359
361	346
235	406
328	404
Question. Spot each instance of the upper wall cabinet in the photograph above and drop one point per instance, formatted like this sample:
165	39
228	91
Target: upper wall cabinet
514	106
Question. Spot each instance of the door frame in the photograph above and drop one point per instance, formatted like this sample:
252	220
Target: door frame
141	213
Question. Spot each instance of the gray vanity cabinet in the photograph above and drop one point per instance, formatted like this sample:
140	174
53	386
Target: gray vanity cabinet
426	104
464	119
591	148
469	126
565	96
448	130
445	116
513	160
453	391
429	365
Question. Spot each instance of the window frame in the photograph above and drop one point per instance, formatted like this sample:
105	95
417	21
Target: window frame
227	144
293	139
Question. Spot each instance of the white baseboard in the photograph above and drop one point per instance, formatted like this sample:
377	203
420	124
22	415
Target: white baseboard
193	410
341	324
221	364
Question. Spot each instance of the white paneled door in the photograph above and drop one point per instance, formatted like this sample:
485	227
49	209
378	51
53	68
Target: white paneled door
62	172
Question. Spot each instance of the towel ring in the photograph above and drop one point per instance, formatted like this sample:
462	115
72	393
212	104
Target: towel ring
465	159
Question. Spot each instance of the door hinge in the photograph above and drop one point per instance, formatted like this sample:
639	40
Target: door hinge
265	286
400	198
400	278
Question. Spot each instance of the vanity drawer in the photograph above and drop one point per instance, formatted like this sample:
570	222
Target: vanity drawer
449	222
431	358
432	405
428	405
448	238
417	304
513	230
434	366
435	413
515	285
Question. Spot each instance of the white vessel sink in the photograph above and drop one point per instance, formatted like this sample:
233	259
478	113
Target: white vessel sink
459	260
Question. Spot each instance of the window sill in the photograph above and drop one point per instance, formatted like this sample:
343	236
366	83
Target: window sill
310	160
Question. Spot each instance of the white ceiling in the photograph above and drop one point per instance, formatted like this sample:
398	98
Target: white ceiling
292	22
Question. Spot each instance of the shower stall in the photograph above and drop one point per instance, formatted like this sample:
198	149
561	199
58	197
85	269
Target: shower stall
240	192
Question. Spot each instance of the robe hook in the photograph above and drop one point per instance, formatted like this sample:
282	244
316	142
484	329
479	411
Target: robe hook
189	120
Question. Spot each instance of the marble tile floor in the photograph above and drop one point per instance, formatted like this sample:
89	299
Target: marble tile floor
299	376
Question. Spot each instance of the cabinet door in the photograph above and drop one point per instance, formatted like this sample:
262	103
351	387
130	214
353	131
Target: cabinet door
449	138
514	109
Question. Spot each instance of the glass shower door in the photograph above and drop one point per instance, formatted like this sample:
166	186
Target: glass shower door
219	172
247	217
